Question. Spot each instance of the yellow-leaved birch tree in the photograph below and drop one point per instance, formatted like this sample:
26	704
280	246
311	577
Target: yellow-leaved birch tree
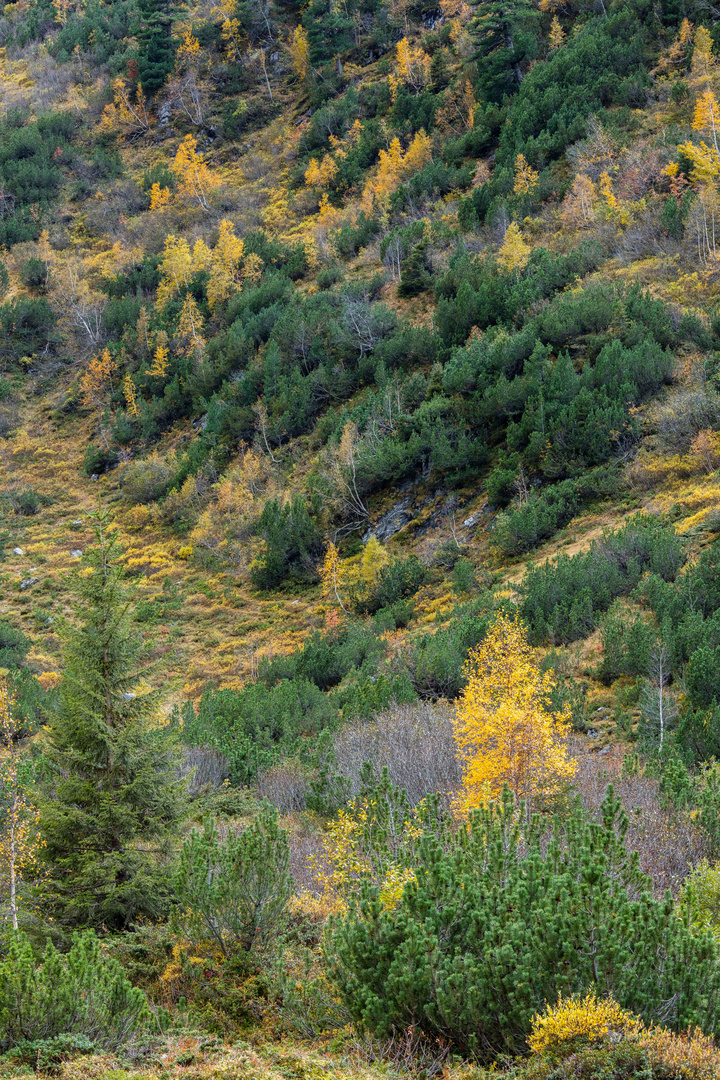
504	730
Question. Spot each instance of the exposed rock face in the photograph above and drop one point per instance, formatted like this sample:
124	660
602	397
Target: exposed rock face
393	521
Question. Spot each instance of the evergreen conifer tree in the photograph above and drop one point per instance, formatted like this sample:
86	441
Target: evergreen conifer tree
502	917
115	787
156	52
506	36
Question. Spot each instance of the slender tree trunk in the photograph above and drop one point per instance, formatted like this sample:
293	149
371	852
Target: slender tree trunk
13	854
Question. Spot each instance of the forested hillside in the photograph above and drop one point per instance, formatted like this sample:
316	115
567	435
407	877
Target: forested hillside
360	539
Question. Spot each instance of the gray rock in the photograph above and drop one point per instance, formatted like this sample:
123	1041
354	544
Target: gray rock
18	551
78	522
393	521
95	476
28	581
76	554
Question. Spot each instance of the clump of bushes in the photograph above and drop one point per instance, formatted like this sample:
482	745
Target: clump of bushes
84	993
478	941
564	600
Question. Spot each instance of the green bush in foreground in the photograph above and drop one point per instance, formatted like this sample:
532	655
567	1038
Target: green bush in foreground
499	921
83	993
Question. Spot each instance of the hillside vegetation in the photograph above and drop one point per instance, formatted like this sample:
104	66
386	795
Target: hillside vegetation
359	486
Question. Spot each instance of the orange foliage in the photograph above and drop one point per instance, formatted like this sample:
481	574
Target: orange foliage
196	179
96	380
414	65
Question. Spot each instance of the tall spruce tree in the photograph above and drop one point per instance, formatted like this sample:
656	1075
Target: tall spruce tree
505	32
114	795
156	49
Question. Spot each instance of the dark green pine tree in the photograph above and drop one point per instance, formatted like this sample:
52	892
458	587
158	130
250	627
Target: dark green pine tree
114	796
415	276
506	35
156	48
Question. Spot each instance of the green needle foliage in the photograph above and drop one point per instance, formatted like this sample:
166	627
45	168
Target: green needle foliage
81	993
234	890
156	50
115	793
501	920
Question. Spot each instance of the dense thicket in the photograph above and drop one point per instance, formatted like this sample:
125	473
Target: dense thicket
496	923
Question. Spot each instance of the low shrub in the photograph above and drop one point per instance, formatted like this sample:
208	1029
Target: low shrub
233	889
148	480
497	921
83	993
14	646
561	1029
563	600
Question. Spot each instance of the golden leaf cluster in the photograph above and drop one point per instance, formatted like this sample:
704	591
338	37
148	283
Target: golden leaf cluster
514	252
413	65
353	858
504	731
96	380
300	52
575	1020
393	166
525	177
128	111
229	268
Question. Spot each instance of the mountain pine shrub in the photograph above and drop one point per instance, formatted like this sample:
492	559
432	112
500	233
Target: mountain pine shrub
234	889
83	993
501	919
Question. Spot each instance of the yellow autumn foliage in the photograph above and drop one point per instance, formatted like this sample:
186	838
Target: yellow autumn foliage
576	1021
514	252
352	857
504	731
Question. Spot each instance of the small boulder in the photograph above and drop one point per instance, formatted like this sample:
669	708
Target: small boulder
18	551
76	554
27	582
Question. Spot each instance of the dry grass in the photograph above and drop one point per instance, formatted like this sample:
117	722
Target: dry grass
185	1057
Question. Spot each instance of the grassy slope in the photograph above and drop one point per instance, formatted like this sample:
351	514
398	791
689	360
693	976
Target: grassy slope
222	624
